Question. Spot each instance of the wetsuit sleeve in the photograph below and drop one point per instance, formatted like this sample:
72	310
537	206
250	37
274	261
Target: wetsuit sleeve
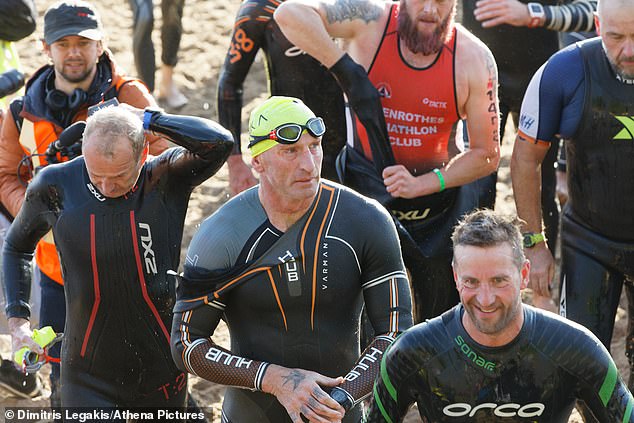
365	101
577	15
207	143
388	303
34	220
246	39
391	397
195	352
553	103
600	385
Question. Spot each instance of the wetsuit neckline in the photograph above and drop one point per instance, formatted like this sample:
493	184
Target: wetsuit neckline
94	191
521	338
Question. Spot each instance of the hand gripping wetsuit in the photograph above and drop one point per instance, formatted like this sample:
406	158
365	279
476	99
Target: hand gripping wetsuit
290	72
536	377
115	253
578	95
292	299
421	123
519	52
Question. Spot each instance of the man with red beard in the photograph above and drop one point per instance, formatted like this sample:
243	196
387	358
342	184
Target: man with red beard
410	75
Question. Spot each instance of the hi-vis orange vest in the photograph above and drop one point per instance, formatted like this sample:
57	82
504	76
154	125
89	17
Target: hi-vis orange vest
35	137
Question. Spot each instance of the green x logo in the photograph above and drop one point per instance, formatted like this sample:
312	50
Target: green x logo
627	133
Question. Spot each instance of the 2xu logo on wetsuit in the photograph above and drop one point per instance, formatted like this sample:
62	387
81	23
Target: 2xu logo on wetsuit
461	409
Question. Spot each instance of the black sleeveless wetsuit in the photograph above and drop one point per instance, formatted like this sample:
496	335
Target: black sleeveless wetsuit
114	253
292	299
536	377
598	221
290	72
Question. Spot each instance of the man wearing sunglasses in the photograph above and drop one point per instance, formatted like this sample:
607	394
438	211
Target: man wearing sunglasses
289	264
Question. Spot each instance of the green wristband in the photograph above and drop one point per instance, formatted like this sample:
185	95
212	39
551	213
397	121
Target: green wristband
441	179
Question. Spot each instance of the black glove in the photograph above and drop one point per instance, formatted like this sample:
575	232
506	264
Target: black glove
365	101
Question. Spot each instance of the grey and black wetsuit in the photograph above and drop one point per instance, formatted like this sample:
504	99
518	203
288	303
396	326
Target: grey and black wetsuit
292	299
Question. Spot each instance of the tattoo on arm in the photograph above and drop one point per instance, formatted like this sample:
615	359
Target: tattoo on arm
492	89
295	378
343	10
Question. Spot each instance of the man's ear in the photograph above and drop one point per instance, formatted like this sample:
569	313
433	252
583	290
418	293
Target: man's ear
99	49
597	23
46	48
256	163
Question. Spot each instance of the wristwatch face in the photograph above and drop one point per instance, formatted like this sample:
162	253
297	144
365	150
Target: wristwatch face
531	239
535	9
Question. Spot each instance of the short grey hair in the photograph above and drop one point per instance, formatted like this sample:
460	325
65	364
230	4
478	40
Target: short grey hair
487	228
115	122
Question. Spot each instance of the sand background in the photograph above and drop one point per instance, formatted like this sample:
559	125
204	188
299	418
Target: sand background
207	26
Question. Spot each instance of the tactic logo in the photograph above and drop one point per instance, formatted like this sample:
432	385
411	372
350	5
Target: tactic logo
461	409
472	355
148	253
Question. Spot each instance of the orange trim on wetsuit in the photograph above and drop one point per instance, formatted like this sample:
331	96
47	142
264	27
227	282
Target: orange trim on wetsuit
419	105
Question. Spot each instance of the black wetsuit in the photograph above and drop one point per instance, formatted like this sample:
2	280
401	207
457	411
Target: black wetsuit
290	72
292	299
577	94
519	52
536	377
115	253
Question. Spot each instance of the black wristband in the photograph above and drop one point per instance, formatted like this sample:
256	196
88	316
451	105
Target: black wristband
342	397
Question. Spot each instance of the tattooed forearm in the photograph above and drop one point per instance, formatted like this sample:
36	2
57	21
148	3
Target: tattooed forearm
294	377
343	10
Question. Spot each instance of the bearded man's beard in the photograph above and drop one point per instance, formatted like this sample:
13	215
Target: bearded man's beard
423	43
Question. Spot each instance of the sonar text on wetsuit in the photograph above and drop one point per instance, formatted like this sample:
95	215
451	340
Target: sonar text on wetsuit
536	377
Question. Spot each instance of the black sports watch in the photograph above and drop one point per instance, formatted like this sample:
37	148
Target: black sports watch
342	397
530	239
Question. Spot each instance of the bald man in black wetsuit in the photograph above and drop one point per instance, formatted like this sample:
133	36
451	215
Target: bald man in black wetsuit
290	72
491	358
289	265
117	220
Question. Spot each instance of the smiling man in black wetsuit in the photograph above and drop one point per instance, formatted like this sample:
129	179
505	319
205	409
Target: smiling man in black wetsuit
492	358
289	265
117	218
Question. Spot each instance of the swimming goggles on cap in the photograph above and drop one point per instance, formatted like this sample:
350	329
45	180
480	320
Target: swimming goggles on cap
290	133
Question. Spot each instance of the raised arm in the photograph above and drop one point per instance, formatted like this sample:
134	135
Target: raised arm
207	141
